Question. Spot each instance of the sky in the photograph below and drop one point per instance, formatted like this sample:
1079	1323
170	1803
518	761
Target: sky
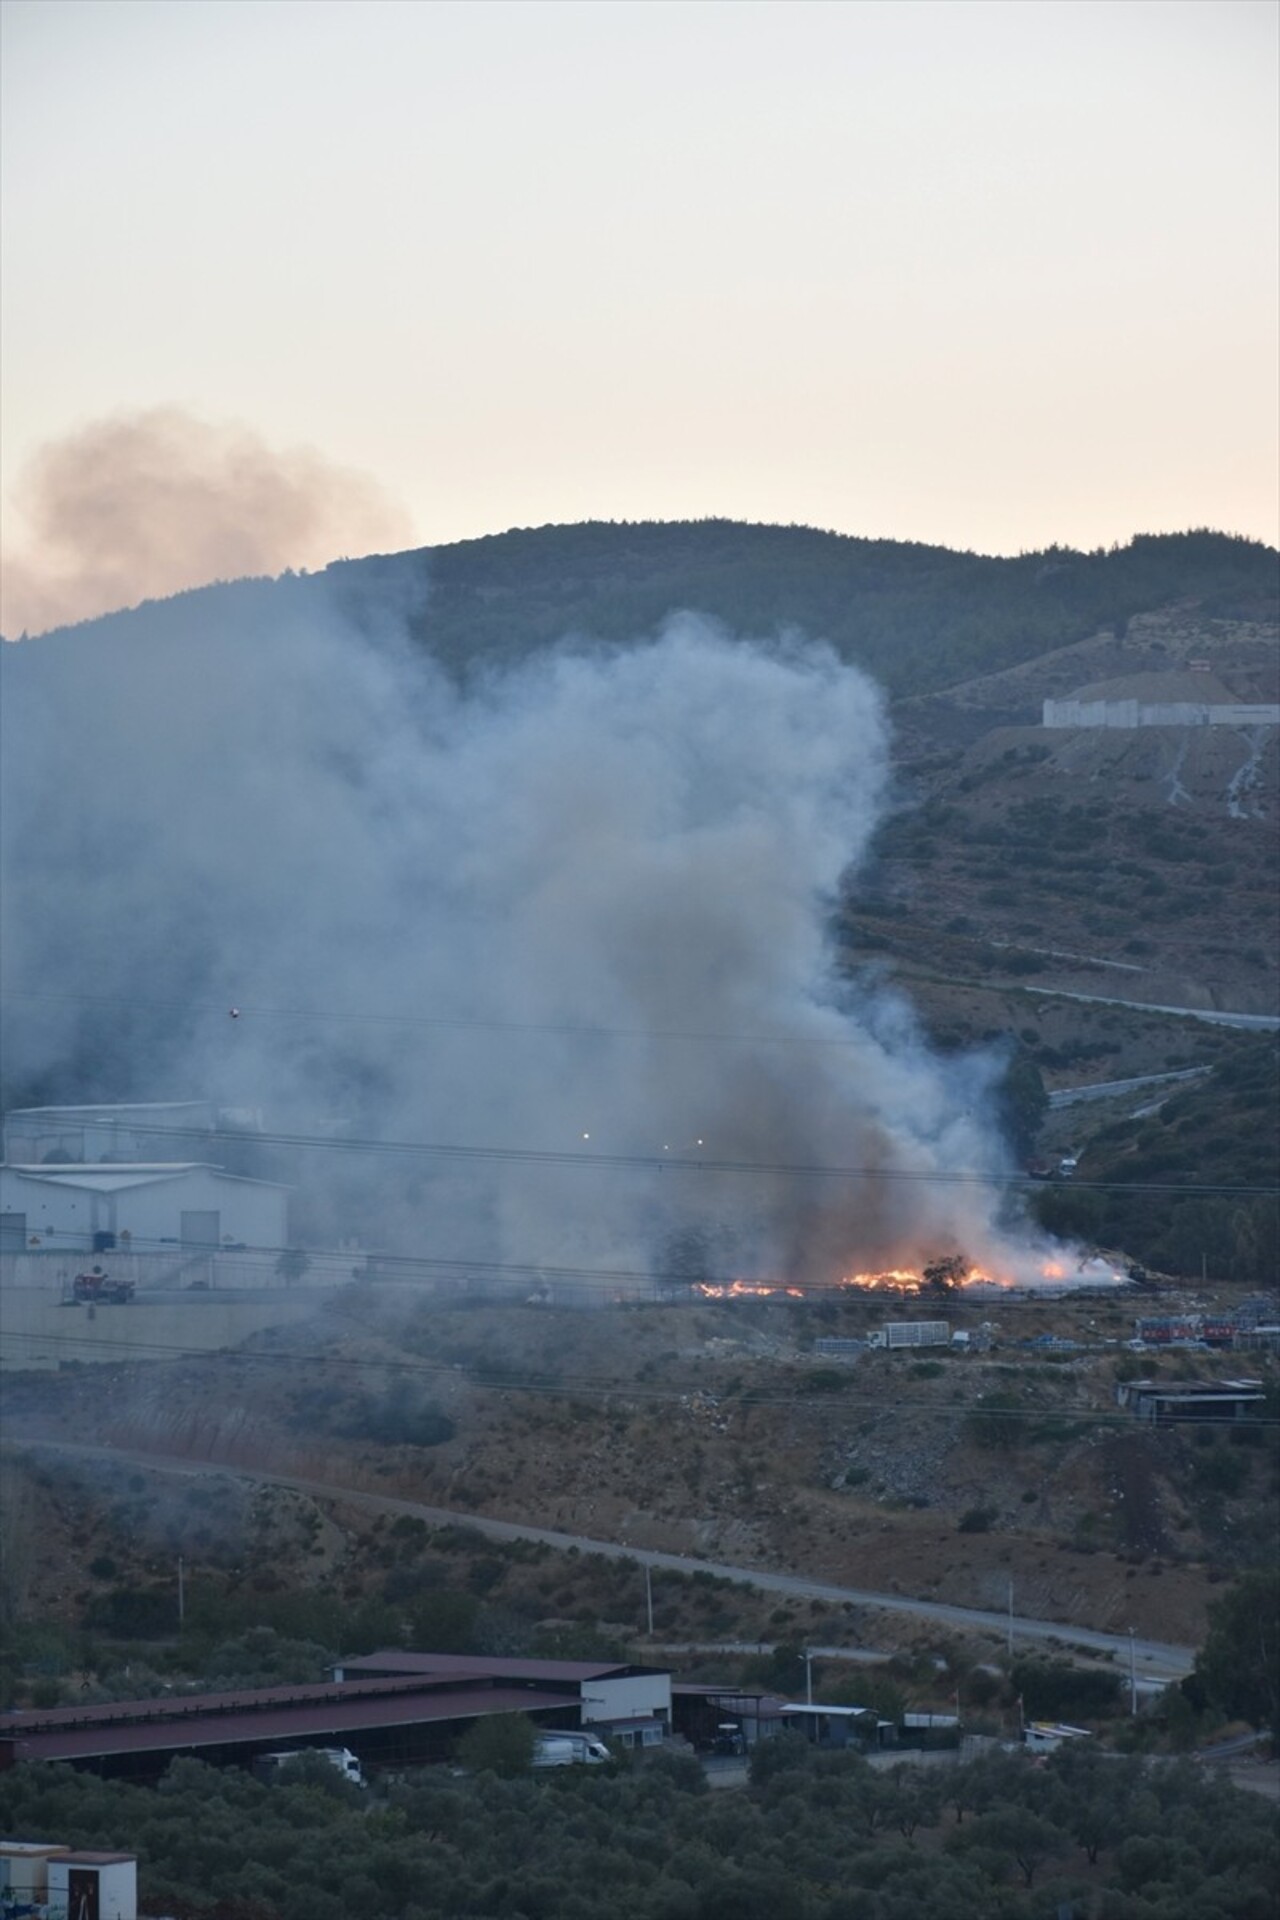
991	275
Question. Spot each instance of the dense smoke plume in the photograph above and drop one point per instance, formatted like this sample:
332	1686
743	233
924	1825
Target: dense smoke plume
144	504
577	908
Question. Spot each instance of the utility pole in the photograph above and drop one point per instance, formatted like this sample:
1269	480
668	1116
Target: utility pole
182	1592
808	1677
1011	1616
1133	1681
648	1595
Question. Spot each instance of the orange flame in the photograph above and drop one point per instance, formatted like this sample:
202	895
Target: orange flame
901	1280
896	1280
744	1290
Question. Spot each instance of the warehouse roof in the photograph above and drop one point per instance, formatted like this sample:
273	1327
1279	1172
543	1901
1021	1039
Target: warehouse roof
212	1720
183	1706
1197	1389
450	1665
115	1175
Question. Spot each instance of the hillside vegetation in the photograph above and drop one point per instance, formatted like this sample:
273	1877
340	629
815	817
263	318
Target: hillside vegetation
1220	1133
814	1837
917	618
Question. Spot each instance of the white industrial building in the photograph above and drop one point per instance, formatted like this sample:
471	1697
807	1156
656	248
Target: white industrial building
151	1131
80	1208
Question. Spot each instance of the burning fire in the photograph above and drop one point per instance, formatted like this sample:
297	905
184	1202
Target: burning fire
954	1275
744	1290
906	1280
897	1280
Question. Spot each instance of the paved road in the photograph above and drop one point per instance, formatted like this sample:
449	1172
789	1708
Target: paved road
1267	1022
1102	1089
858	1656
1155	1659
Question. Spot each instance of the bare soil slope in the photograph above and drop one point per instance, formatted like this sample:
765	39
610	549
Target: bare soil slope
710	1431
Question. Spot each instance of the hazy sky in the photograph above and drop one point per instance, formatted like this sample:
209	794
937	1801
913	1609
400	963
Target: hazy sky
991	275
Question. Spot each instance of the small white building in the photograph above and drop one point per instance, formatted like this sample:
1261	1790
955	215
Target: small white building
83	1208
93	1886
24	1871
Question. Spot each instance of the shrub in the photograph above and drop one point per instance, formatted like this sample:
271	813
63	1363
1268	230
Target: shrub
978	1520
500	1743
133	1613
1055	1690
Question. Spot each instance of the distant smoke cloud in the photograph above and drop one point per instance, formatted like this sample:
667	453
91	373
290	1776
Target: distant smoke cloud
579	908
144	504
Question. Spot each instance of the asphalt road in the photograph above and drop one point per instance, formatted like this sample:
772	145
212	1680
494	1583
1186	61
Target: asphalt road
1262	1022
1152	1659
1104	1089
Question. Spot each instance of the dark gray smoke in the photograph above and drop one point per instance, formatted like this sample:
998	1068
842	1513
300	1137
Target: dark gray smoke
579	908
144	504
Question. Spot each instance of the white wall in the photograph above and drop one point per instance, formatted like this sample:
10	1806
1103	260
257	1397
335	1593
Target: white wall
117	1888
63	1214
56	1216
24	1868
626	1698
1174	713
38	1334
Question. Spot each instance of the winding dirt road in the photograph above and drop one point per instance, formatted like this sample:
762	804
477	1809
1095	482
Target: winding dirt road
1153	1660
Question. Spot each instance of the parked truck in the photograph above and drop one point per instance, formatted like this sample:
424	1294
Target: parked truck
267	1766
571	1749
97	1288
911	1333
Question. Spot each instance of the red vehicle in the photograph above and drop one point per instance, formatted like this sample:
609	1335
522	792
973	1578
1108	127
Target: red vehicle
98	1288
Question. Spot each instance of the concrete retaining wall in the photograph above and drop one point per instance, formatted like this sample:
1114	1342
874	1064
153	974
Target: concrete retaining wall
38	1333
1136	713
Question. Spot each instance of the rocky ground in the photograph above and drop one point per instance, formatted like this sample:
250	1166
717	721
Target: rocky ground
712	1431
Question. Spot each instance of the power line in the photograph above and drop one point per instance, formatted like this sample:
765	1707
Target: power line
680	1163
572	1030
408	1264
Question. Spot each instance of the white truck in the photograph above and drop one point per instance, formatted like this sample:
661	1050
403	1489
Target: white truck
571	1749
911	1333
267	1766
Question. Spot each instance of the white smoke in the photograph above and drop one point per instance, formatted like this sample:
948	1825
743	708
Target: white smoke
578	908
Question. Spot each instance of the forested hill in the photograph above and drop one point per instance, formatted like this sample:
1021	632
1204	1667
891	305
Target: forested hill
918	618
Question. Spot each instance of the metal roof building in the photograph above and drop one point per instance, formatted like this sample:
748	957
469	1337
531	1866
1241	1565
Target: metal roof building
609	1693
393	1722
1155	1400
389	1718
